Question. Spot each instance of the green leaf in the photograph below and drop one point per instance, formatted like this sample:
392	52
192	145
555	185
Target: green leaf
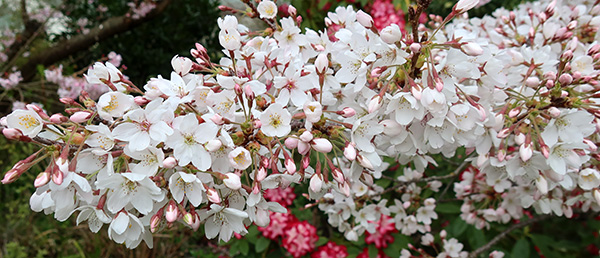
372	251
244	247
545	244
521	248
262	244
458	226
252	235
322	241
447	208
476	237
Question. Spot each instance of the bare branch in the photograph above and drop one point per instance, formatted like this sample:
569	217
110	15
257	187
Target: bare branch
67	47
504	233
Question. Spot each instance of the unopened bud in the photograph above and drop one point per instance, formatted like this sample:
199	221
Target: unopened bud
261	174
322	145
374	104
80	116
213	145
291	143
232	181
140	101
172	212
42	179
213	196
290	166
542	184
364	162
525	151
169	162
58	118
364	19
350	151
12	133
347	112
415	47
306	136
554	112
321	63
316	182
472	49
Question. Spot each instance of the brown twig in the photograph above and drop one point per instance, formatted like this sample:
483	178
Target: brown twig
504	233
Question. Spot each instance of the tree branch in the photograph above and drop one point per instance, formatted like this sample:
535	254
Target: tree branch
67	47
504	233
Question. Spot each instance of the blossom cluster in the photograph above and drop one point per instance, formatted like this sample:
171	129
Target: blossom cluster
518	91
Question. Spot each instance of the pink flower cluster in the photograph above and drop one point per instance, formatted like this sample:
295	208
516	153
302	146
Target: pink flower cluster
384	14
298	237
285	197
330	250
382	235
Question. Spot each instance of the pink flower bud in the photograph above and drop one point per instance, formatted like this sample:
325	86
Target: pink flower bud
554	112
232	181
472	49
261	174
374	104
292	10
42	179
591	145
503	133
80	116
350	151
415	47
316	182
306	136
338	175
155	221
550	75
364	162
347	112
305	162
58	177
464	5
140	101
406	205
217	119
416	92
11	176
213	145
12	133
322	145
303	147
321	63
291	143
567	55
514	112
172	212
542	184
364	19
58	118
213	196
443	234
525	151
238	89
257	123
501	155
520	138
290	166
248	91
565	79
545	151
532	82
169	162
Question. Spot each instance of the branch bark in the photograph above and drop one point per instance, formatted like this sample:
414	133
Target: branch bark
67	47
504	233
